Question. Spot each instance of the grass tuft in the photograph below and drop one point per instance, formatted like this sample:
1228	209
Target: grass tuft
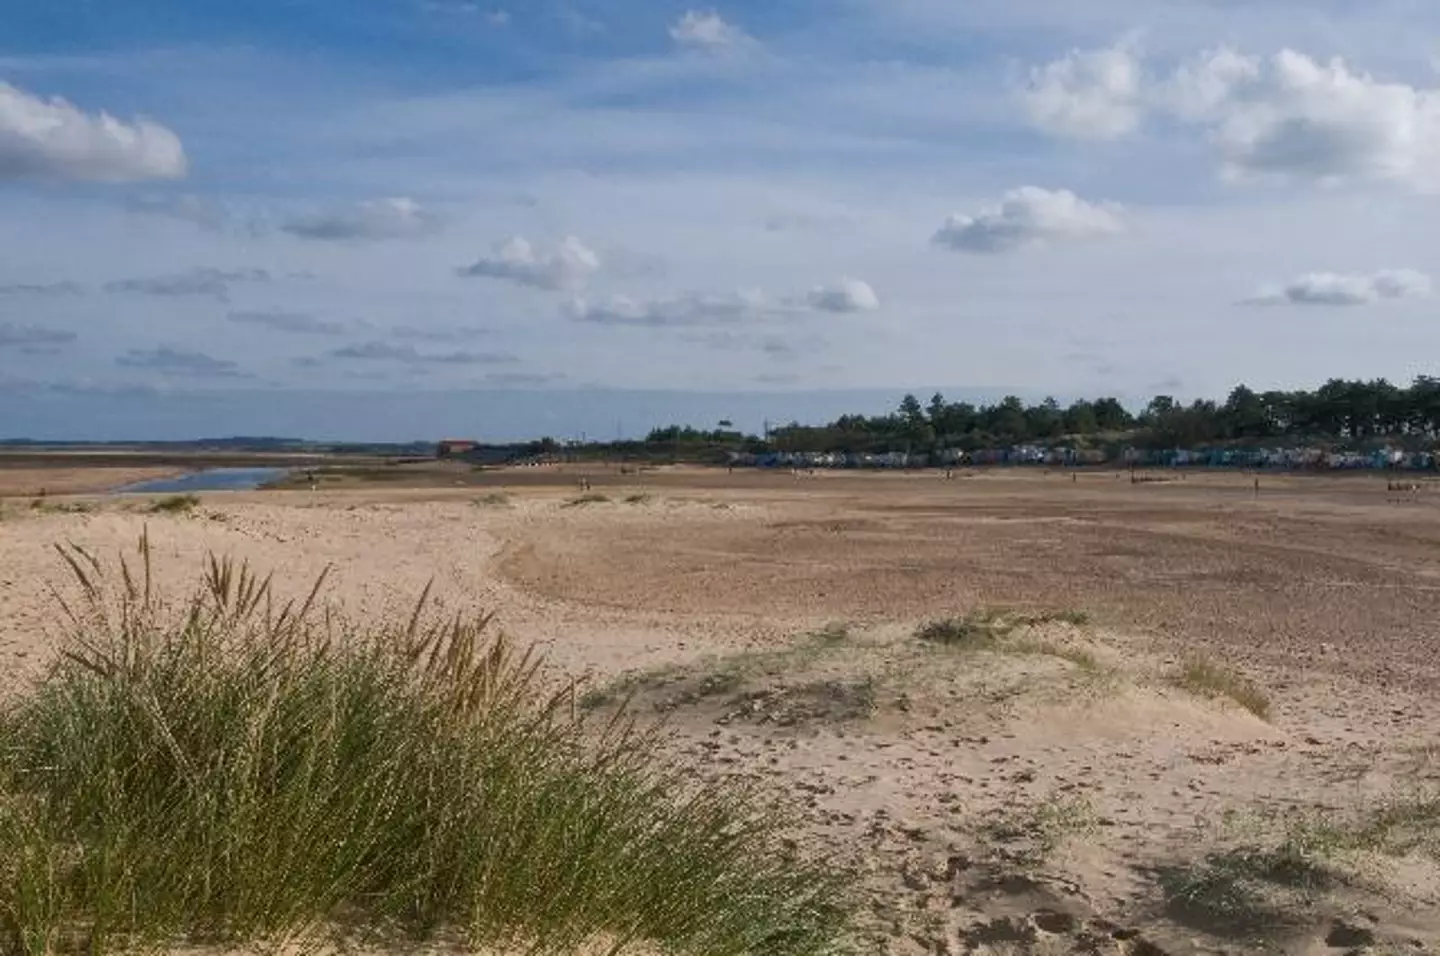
1208	679
590	498
495	499
175	504
639	498
237	770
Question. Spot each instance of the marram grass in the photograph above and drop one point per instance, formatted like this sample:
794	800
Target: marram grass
229	771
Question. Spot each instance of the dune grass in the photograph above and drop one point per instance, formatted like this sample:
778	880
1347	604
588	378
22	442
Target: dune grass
1209	679
175	504
589	498
232	770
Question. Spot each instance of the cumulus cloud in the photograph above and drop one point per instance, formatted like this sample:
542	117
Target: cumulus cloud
1291	115
393	218
1030	216
706	29
566	266
1333	288
169	361
33	335
210	282
846	295
1286	115
42	288
278	320
1088	94
408	354
51	139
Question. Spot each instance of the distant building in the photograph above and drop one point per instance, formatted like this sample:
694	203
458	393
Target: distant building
454	447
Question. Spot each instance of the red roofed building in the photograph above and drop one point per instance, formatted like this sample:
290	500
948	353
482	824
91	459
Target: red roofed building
454	447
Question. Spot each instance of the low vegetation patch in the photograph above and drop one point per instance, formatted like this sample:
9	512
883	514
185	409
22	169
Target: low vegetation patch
1208	679
639	498
678	685
175	504
590	498
46	507
995	630
236	771
1031	837
495	499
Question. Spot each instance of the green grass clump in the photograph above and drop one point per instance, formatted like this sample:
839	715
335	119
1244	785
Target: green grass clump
1211	680
175	504
235	771
42	506
589	498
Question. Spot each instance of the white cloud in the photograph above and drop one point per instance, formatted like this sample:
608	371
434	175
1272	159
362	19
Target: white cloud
567	266
1089	94
690	309
51	139
1286	115
846	295
1290	115
1030	216
393	218
706	29
1332	288
694	309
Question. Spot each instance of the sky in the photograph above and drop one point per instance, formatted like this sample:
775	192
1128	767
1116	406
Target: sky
397	219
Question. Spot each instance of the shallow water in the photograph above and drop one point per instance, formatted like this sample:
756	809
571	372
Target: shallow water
210	479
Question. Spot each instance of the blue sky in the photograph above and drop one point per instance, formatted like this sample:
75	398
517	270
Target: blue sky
211	212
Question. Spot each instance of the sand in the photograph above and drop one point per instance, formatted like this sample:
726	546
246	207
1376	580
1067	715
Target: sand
1057	793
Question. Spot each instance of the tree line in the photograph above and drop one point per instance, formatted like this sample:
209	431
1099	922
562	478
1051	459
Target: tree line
1340	412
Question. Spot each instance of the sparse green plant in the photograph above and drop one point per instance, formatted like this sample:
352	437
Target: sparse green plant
1083	659
835	632
978	630
175	504
589	498
1247	889
710	677
1032	836
48	507
1209	679
234	770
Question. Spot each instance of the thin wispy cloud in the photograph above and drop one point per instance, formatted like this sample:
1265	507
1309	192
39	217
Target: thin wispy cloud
42	289
1346	289
12	334
394	218
165	360
211	282
279	320
409	355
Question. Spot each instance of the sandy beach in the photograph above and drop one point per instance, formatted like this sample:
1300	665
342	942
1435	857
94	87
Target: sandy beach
1054	790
